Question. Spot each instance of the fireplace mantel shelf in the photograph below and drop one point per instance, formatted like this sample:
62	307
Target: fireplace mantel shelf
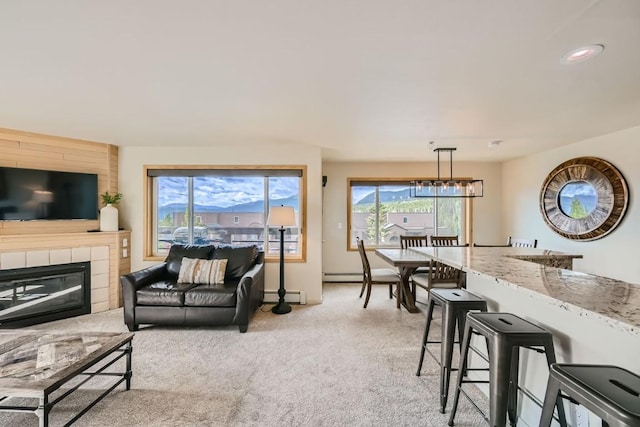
59	235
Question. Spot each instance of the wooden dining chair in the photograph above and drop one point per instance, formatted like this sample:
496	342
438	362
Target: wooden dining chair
377	276
444	241
413	241
440	276
522	243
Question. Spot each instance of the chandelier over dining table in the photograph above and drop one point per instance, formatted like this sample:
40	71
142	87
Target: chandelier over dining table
446	187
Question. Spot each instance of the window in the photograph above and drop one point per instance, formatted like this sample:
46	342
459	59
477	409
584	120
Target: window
198	205
381	210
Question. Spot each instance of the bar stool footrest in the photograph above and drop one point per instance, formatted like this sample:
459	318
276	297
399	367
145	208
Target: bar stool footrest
479	353
484	415
569	398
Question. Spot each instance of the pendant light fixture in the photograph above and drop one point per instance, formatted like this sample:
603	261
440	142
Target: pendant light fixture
443	187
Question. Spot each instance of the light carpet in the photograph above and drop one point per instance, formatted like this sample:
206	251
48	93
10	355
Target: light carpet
332	364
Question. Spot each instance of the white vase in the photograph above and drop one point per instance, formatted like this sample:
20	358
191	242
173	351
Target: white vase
109	218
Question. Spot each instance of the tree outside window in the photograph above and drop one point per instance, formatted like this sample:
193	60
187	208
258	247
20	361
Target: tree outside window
380	212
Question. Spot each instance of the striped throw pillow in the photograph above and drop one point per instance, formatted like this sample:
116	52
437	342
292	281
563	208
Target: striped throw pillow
202	271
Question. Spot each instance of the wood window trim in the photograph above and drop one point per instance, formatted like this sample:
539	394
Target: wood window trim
468	222
148	225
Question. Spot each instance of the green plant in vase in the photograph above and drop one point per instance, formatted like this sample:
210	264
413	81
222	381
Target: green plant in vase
110	199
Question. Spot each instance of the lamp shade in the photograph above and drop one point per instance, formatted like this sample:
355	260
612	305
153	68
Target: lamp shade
282	216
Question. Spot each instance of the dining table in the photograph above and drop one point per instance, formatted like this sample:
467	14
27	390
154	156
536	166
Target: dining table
407	262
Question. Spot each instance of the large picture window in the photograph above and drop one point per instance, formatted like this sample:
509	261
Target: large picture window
380	211
204	205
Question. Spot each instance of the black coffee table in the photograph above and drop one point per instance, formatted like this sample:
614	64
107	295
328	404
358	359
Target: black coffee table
34	364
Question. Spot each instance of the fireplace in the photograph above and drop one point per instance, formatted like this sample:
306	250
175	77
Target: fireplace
42	294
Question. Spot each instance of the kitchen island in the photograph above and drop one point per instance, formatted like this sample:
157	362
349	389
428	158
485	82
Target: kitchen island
593	319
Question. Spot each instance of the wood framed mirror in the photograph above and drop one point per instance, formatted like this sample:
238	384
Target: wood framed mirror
584	198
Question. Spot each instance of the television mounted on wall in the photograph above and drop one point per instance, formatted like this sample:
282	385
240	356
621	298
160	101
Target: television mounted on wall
35	194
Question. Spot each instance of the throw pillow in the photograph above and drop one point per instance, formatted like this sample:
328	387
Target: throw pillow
202	271
178	251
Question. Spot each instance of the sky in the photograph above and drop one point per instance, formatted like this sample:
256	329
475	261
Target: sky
580	188
224	191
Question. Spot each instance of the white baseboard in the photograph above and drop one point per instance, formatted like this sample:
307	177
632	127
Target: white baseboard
342	277
293	297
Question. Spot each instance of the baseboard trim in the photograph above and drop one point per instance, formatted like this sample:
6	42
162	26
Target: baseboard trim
342	277
292	297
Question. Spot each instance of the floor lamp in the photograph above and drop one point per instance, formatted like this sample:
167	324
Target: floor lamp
283	216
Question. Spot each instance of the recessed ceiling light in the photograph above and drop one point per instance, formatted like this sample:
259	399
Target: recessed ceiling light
581	54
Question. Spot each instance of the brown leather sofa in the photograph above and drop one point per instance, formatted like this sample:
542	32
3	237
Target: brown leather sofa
153	296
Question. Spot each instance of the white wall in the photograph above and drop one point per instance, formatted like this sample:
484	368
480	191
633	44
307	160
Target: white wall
306	276
613	255
487	226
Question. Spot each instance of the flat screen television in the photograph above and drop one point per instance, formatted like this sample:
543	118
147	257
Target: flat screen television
34	194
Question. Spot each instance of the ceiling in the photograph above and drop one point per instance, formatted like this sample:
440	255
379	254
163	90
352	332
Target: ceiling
362	79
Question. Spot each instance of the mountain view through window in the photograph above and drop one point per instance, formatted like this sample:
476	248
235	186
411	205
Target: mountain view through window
223	210
381	213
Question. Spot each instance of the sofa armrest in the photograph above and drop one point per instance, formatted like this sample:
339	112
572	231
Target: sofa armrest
250	294
132	282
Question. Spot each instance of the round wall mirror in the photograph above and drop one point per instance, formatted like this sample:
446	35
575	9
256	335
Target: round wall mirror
584	198
578	199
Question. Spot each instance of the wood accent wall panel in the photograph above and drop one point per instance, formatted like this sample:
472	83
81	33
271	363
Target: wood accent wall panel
37	151
123	267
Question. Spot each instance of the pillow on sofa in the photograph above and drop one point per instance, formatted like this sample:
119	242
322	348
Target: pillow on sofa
202	272
241	259
177	252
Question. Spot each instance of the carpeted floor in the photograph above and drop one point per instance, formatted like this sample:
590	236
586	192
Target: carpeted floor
333	364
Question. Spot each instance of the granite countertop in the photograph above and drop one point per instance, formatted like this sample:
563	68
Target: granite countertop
615	302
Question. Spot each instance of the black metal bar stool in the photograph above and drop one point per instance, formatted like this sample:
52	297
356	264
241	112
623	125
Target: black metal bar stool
610	392
455	304
505	334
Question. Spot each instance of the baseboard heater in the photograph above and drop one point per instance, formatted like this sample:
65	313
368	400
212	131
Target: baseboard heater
293	297
342	277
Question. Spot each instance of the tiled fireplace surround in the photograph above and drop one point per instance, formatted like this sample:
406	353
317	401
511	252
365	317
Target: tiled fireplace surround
97	255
